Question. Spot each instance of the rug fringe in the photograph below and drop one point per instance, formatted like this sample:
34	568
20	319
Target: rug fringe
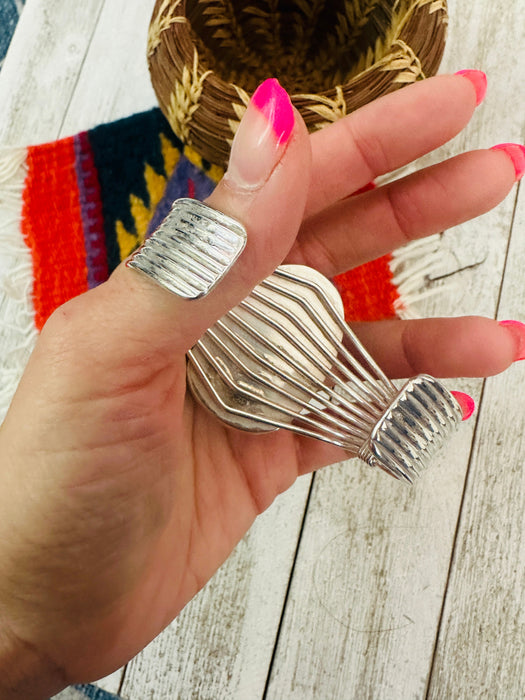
412	266
17	328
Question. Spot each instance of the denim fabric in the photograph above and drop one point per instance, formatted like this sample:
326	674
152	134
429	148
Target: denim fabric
84	692
93	693
10	11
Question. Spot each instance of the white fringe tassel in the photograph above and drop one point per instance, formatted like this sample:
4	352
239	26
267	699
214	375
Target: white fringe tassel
17	328
411	267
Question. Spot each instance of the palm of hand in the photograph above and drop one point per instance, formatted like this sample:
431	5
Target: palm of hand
162	488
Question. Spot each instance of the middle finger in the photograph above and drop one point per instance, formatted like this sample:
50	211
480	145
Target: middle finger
386	134
362	228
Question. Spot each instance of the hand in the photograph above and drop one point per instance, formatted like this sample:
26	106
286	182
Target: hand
120	496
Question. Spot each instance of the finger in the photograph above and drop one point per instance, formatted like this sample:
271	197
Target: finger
387	134
365	227
269	168
470	346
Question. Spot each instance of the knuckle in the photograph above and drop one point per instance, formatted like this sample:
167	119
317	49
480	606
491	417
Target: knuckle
371	150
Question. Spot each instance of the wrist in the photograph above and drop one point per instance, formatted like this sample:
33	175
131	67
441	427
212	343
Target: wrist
26	673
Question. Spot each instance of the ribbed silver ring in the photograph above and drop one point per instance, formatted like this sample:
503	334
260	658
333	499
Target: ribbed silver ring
285	358
192	250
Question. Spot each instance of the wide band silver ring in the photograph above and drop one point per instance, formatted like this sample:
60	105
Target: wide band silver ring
192	250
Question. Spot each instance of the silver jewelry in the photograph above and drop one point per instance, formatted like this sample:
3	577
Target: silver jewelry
192	249
285	358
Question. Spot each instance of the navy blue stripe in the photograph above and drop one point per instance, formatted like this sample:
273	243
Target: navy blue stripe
121	150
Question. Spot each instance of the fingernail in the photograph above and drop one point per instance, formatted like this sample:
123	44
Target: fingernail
517	329
366	188
516	153
466	402
263	133
362	190
479	79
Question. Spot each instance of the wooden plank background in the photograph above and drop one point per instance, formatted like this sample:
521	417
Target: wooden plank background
378	591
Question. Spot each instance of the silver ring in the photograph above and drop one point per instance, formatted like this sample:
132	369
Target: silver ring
285	358
192	250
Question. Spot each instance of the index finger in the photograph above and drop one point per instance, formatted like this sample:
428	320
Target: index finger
387	134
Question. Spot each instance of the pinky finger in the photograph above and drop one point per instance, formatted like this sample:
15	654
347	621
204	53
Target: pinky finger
470	346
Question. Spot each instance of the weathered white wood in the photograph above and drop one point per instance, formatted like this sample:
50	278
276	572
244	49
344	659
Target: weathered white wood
366	594
482	640
111	683
365	602
114	81
42	67
221	644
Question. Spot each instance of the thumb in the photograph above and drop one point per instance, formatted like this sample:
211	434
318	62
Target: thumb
265	189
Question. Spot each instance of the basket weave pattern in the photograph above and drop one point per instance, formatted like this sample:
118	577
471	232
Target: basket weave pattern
333	56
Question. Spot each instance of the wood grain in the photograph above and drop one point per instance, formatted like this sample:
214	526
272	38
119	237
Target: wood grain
368	584
221	645
480	651
364	607
114	81
42	66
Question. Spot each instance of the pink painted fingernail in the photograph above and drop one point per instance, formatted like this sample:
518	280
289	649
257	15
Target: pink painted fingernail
362	190
516	152
261	137
517	329
366	188
466	402
479	80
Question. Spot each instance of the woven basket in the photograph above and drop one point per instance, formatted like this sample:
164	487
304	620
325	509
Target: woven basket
207	56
